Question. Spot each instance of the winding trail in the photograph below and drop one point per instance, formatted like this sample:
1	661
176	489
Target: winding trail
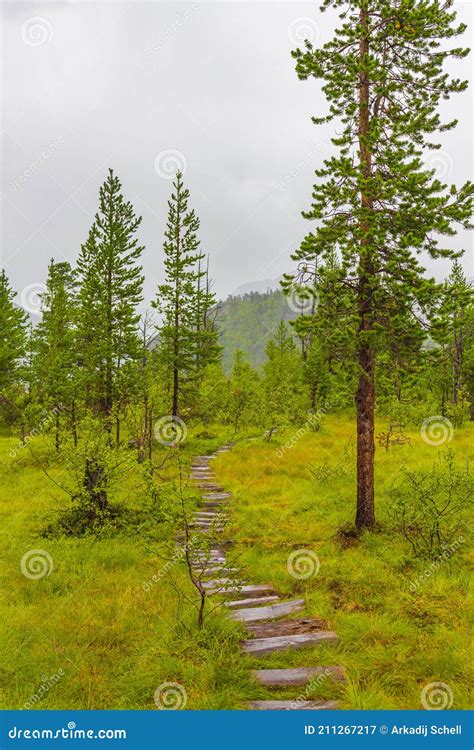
266	617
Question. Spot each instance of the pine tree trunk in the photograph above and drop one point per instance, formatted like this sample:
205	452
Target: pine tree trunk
94	484
56	437
150	434
73	423
174	408
365	401
365	398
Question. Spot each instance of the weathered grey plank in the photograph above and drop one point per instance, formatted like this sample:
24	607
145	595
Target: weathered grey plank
296	676
296	705
287	627
251	601
213	571
260	646
217	496
267	613
219	583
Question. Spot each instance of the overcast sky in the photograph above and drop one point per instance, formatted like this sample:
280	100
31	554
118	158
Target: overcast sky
144	87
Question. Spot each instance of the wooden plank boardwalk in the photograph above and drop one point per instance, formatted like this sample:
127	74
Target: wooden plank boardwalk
269	621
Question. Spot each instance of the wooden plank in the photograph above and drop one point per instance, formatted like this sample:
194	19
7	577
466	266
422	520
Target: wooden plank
296	705
297	676
217	496
213	571
267	613
208	486
251	601
219	583
260	646
287	627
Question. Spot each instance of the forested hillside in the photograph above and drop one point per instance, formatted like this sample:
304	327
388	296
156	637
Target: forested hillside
248	321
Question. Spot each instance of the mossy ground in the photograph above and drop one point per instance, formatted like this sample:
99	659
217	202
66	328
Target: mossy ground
116	640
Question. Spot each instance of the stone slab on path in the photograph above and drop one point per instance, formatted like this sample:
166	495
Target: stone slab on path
268	613
262	646
296	676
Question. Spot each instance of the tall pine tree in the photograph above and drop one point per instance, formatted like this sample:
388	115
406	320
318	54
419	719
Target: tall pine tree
55	374
13	335
110	285
375	200
182	297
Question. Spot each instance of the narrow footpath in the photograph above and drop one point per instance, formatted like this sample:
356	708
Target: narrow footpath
269	621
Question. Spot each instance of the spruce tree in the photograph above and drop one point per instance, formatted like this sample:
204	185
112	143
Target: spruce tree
110	285
13	334
54	361
244	406
375	200
208	349
452	330
176	298
285	396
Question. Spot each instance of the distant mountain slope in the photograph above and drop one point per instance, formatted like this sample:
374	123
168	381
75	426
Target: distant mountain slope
248	321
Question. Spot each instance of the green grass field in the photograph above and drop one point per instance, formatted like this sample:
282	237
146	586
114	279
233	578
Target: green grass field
92	635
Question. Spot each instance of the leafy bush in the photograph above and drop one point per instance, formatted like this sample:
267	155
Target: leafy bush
429	507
